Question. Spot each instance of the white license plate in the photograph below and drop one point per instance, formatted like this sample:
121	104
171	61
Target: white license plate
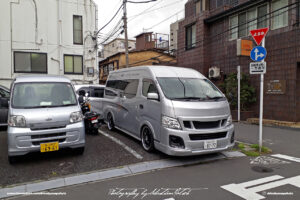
210	144
95	121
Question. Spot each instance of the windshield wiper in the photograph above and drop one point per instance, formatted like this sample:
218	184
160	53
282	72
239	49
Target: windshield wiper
189	98
215	98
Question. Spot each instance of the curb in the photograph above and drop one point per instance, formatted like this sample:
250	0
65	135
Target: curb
110	173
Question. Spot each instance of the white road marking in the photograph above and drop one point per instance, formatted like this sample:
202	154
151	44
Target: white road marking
127	148
244	191
266	160
290	158
170	199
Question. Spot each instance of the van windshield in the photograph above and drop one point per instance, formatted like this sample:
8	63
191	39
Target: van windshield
39	95
197	89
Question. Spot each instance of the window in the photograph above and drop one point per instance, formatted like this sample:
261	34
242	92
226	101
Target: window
110	93
77	30
242	24
220	3
251	19
130	88
233	23
190	36
25	62
148	87
4	94
73	64
199	6
97	92
280	15
262	12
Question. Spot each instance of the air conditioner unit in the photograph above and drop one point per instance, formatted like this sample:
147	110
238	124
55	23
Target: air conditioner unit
214	72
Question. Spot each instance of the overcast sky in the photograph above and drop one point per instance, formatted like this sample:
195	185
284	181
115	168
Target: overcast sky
150	14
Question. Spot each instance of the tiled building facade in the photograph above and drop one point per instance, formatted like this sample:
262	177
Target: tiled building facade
208	37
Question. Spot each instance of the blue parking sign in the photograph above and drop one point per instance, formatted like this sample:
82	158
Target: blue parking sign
258	53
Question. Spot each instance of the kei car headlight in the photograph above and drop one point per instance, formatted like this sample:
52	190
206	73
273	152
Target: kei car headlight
229	121
16	121
169	122
76	117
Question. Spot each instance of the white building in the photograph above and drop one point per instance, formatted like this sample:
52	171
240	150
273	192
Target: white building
174	35
54	37
117	45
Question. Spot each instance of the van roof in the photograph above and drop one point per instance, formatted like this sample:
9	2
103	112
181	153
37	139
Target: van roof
165	71
42	78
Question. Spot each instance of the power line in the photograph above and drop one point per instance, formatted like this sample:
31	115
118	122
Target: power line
110	19
144	11
165	20
141	1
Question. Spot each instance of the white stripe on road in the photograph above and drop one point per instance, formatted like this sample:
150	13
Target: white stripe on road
127	148
287	157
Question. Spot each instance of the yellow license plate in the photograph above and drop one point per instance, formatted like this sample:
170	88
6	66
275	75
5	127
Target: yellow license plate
53	146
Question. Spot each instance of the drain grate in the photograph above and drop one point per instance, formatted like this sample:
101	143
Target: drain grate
262	169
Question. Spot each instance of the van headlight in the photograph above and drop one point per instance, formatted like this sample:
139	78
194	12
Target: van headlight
76	117
169	122
16	121
229	121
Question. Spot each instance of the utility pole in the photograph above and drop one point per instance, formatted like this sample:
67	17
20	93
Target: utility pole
125	30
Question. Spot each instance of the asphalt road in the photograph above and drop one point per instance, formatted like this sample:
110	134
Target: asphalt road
100	153
201	181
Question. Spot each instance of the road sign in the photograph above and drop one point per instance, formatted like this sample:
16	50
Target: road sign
259	34
258	67
258	53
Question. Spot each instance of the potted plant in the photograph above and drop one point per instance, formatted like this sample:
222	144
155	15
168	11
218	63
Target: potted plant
248	97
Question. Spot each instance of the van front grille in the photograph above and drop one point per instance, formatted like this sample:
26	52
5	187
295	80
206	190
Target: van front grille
206	125
40	142
43	136
208	136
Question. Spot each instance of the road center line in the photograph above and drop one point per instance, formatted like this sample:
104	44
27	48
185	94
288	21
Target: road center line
286	157
119	142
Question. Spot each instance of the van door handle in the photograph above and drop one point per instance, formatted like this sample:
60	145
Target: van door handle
141	106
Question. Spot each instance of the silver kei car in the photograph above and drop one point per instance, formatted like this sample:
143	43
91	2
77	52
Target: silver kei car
44	115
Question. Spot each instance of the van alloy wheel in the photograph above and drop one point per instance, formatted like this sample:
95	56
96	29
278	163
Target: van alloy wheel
110	122
147	139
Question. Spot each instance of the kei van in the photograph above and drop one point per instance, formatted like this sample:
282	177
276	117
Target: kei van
175	110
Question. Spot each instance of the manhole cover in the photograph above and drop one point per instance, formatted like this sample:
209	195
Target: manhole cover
261	169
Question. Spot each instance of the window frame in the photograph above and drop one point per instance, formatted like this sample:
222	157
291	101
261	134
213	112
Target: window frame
267	17
31	72
73	64
152	82
281	15
186	36
76	43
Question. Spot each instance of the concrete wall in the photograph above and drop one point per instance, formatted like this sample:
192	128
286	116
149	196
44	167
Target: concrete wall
53	34
117	46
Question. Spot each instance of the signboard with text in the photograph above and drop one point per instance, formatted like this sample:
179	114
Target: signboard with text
258	68
259	34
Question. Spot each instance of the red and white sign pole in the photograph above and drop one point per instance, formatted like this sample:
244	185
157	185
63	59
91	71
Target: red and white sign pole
259	37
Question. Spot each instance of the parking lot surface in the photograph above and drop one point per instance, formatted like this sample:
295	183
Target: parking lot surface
100	152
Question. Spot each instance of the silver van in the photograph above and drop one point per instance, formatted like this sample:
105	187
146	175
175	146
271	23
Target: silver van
44	115
175	110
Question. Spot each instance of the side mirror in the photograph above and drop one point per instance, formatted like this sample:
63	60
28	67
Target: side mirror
80	99
152	96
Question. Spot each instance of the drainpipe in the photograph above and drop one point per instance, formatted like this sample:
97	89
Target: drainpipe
11	36
59	36
36	25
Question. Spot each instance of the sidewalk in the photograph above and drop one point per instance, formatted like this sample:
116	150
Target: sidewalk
280	140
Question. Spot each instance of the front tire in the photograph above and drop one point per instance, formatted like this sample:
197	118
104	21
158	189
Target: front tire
12	159
79	151
147	139
110	122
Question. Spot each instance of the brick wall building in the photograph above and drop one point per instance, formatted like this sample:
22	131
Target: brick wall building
208	37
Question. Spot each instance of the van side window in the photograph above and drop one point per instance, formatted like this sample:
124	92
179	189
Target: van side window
110	93
130	88
148	87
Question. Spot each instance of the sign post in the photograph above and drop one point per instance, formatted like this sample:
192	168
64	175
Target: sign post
239	92
258	54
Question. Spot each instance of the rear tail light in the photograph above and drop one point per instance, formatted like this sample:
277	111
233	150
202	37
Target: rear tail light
93	118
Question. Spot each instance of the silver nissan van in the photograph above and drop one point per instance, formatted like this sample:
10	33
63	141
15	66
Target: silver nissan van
44	115
175	110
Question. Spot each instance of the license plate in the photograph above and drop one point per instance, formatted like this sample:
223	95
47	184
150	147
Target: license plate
95	121
52	146
210	144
